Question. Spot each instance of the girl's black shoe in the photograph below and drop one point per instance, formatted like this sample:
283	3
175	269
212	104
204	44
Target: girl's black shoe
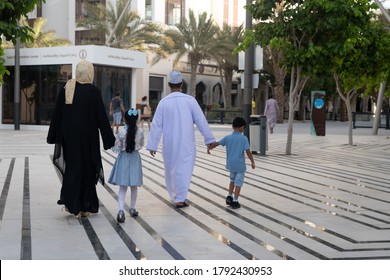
121	216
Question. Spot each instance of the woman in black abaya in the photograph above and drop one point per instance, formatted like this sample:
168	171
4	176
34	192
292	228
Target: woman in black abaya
78	117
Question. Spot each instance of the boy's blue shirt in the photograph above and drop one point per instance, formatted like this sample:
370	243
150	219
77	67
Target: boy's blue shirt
236	145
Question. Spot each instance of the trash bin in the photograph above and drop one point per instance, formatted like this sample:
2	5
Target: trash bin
258	134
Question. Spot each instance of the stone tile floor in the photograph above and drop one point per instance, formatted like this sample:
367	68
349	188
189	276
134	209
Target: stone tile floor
327	201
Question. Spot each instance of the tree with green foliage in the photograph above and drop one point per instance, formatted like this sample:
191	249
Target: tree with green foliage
386	18
10	15
308	34
362	65
283	26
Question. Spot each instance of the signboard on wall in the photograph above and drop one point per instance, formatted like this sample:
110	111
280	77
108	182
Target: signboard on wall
257	60
73	54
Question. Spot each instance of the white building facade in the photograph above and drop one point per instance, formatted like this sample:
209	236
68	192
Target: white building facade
150	80
43	71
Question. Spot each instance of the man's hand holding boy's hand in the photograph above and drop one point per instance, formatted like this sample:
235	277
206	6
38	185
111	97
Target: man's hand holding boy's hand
211	146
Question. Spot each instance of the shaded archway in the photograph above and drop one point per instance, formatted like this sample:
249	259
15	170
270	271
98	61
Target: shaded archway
217	97
184	87
199	90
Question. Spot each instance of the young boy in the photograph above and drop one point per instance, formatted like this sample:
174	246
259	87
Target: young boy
236	144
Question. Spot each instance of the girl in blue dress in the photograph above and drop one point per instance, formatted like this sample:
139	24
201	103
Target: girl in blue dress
127	169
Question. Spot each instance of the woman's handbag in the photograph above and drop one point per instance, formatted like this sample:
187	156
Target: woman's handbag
147	112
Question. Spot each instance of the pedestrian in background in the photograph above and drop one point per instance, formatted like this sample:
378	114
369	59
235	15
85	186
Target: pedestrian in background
116	111
146	112
271	112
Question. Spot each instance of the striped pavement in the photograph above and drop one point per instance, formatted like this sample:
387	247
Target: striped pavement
327	201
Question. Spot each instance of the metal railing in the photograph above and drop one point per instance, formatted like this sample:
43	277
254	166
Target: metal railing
361	120
222	116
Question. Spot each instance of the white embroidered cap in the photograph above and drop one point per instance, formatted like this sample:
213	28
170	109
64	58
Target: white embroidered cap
175	77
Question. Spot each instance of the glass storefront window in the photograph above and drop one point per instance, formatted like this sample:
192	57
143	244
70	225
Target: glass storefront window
174	8
40	85
148	9
112	79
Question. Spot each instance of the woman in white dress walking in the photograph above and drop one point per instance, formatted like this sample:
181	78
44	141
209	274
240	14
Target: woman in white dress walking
271	112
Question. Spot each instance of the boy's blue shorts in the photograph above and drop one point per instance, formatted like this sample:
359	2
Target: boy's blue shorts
117	117
237	178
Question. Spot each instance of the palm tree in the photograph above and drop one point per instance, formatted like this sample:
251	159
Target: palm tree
275	57
44	39
195	38
40	38
124	29
227	40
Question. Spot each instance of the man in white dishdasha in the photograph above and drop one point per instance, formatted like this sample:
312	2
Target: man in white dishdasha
174	120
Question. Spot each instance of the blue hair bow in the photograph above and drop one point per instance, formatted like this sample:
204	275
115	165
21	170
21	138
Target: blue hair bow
133	112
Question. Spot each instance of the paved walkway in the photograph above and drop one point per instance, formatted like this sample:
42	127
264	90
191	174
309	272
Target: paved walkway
328	200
